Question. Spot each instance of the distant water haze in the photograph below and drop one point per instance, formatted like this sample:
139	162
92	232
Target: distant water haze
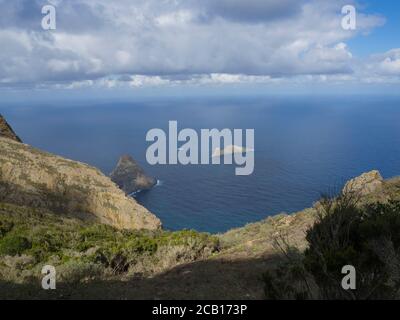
304	146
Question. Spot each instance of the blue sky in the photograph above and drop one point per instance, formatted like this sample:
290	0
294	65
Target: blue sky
150	47
383	38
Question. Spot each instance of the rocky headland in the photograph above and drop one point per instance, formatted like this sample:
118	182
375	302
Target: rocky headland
6	131
38	179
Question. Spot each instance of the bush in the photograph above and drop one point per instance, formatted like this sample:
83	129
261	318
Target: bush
142	245
289	279
14	245
45	243
76	248
5	227
367	238
75	271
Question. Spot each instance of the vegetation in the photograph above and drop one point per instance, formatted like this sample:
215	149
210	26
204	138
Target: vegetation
346	233
31	238
303	252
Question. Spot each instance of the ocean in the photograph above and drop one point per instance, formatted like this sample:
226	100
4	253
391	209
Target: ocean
304	146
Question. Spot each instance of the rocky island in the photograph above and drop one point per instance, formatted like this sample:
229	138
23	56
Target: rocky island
130	177
231	149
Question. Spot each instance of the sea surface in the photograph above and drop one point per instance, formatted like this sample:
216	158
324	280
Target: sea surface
304	146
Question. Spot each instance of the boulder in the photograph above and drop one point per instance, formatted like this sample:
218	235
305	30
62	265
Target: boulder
365	184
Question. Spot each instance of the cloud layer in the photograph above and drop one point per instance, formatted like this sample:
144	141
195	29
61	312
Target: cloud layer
158	42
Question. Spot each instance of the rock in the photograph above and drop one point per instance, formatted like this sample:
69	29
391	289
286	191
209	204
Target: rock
6	131
33	178
130	177
365	184
231	149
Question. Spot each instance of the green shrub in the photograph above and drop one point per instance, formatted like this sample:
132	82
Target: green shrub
13	245
76	271
46	244
5	227
143	245
77	248
367	238
289	280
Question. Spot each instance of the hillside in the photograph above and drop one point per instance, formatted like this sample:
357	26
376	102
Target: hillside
104	245
85	253
96	261
255	239
38	179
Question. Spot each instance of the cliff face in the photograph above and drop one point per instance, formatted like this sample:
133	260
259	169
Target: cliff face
38	179
6	131
130	177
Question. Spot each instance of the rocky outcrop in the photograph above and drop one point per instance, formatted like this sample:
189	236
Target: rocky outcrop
366	184
6	131
37	179
130	177
231	149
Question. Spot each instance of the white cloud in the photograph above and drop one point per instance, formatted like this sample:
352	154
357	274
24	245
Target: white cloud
155	42
180	17
390	63
56	65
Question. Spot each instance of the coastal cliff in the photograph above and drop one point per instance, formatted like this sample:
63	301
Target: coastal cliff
6	131
255	239
102	262
38	179
68	214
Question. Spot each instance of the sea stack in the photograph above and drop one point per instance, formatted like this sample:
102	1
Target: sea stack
130	177
6	131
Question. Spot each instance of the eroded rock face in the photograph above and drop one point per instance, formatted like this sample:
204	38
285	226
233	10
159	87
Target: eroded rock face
365	184
6	131
130	177
38	179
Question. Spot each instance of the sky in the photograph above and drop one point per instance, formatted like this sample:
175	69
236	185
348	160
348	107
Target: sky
122	47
